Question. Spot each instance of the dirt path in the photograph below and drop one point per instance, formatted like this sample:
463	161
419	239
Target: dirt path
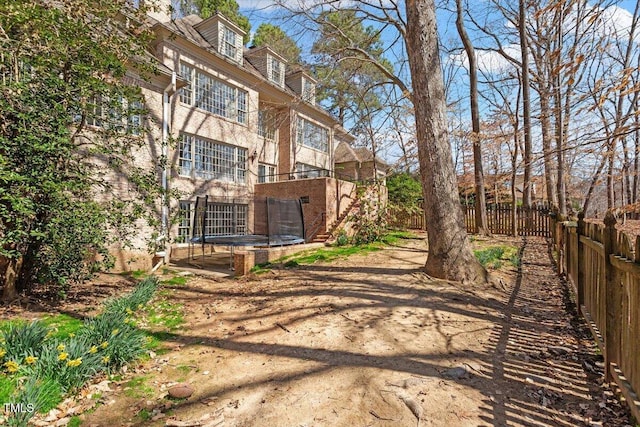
372	341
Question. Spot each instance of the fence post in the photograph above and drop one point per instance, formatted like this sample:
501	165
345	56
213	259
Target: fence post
613	299
561	231
580	262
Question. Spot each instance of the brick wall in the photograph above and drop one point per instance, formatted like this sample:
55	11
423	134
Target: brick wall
328	195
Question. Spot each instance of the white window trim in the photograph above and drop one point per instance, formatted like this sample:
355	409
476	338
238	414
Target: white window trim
279	78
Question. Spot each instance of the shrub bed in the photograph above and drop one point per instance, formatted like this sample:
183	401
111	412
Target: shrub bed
37	368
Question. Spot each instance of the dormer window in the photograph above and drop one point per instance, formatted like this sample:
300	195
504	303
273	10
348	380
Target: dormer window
275	70
308	90
229	43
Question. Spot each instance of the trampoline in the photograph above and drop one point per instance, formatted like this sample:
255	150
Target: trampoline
284	226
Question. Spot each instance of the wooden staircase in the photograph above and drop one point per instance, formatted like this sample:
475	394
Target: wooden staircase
338	223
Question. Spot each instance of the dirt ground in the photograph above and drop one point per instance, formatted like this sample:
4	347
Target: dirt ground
372	341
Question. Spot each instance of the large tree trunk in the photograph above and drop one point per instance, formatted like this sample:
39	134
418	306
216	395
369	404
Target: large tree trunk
450	255
482	224
9	271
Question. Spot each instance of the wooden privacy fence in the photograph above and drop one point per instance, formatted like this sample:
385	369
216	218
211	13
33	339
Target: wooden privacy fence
532	221
409	220
602	265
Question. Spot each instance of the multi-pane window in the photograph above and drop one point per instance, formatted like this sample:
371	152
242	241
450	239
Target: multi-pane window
267	124
229	47
203	158
115	114
185	216
311	135
213	95
275	70
266	173
186	93
308	90
223	219
219	219
308	171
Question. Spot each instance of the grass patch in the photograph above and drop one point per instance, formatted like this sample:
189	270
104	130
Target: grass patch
137	387
75	421
62	325
336	252
494	257
8	386
262	268
144	414
176	281
136	274
164	313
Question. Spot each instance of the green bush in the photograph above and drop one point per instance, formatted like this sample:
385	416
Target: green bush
56	365
135	300
116	336
43	393
70	363
20	340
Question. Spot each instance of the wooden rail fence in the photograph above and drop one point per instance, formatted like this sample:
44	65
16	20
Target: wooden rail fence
602	265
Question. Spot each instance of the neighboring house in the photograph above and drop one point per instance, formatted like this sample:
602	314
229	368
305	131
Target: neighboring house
359	164
498	187
230	119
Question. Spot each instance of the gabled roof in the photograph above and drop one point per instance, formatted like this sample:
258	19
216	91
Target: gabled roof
186	28
346	153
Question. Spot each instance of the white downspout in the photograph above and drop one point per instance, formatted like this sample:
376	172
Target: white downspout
166	118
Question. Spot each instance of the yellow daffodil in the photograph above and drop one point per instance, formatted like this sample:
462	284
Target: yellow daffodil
115	332
71	335
93	349
104	344
105	359
75	362
2	352
30	360
129	311
62	356
139	306
61	347
11	366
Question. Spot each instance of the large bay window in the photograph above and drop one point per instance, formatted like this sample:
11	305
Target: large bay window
311	135
267	124
203	158
213	95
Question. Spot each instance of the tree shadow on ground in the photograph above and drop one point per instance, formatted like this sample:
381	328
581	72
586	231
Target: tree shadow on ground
527	369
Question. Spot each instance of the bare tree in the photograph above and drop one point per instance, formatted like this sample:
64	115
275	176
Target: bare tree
450	254
481	222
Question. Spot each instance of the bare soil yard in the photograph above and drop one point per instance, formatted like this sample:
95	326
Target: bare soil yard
372	341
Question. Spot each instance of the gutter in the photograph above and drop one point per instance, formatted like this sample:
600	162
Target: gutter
166	118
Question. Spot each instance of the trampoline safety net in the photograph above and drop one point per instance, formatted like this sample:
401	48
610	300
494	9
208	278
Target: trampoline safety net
277	222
